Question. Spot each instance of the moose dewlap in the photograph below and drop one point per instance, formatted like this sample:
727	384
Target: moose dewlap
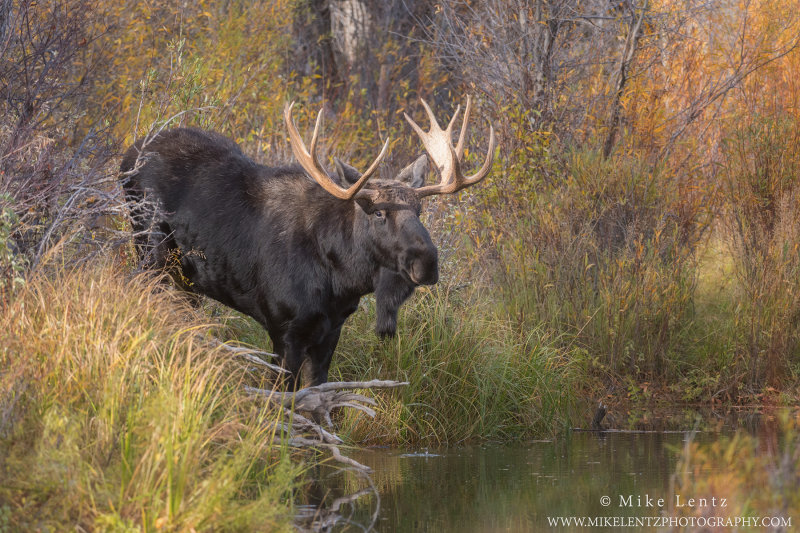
293	247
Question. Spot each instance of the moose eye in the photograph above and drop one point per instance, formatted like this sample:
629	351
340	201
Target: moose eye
378	213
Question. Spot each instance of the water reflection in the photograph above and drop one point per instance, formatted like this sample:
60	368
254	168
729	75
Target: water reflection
515	488
327	504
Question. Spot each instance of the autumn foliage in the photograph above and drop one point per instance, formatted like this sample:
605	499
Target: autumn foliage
634	138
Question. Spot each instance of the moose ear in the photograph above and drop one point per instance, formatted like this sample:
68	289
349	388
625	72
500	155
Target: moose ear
346	173
414	174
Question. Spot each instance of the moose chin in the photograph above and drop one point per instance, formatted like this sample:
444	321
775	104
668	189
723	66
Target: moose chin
293	247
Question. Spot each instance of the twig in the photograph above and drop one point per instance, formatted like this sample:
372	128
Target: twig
253	356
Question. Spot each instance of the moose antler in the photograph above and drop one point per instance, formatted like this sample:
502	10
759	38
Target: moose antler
308	159
439	145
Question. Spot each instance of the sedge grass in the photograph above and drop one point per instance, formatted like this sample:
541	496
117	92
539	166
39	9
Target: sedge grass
116	414
471	375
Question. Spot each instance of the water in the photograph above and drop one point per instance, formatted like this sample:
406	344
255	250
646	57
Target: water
504	487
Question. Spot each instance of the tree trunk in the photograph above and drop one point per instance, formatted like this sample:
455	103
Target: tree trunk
628	54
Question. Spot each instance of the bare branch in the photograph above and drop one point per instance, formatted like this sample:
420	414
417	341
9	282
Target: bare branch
320	400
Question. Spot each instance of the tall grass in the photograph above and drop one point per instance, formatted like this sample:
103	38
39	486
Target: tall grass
471	375
116	414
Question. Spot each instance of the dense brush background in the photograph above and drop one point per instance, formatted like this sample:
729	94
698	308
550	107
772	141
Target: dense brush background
636	241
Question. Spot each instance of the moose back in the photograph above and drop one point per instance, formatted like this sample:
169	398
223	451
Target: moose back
293	247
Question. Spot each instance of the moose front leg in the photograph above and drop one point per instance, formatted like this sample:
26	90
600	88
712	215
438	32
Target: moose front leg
391	290
320	356
313	339
291	353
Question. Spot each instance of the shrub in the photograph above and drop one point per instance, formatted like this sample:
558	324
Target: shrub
605	259
762	221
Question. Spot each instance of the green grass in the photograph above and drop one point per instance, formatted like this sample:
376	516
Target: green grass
116	414
471	375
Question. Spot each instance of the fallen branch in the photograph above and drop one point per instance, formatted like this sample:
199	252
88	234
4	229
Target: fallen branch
319	401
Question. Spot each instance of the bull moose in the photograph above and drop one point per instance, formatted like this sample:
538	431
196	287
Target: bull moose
293	247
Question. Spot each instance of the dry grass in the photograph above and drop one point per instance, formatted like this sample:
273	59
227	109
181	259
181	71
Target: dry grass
116	414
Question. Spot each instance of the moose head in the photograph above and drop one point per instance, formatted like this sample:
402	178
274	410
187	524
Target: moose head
392	208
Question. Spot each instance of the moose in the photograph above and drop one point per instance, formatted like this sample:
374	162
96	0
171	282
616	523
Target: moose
293	247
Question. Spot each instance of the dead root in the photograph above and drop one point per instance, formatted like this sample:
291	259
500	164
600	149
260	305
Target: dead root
317	403
306	410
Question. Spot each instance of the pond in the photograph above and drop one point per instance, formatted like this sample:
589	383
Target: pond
508	487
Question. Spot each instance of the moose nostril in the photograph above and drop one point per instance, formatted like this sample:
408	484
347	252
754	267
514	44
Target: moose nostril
424	271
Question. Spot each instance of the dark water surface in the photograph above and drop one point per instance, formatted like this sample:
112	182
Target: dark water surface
505	487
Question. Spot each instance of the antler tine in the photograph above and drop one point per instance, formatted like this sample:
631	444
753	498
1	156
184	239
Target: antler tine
294	136
487	163
308	160
415	127
431	116
377	161
462	136
439	145
449	129
314	135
